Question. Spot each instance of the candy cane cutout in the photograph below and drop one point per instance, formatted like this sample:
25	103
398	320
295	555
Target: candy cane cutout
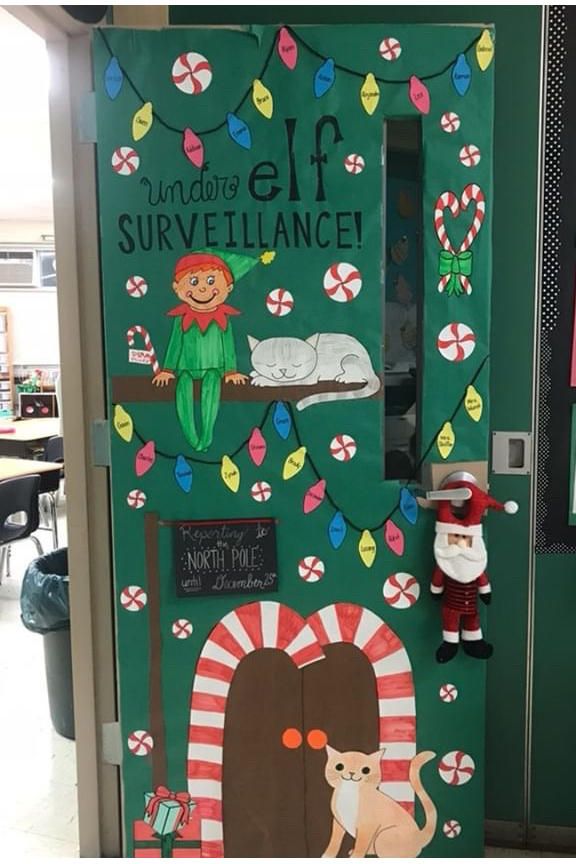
447	200
472	192
148	347
346	622
248	628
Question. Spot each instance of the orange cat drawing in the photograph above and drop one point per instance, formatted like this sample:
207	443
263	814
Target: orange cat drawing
379	824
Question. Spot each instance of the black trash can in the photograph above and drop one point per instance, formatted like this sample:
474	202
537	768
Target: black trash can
45	609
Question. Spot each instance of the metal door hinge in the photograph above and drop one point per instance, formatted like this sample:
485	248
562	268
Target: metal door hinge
111	743
101	443
86	119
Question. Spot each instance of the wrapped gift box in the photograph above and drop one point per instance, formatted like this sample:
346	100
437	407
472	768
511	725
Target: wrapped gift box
148	844
165	815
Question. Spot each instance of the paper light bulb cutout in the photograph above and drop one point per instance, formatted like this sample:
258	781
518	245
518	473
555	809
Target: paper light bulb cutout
262	99
473	403
337	530
123	423
394	537
485	50
367	548
230	474
193	148
408	506
324	78
287	48
419	95
145	458
142	121
369	94
461	75
183	474
113	78
238	131
257	447
294	463
314	496
281	420
446	440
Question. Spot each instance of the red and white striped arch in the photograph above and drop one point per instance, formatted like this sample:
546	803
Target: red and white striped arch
257	625
346	622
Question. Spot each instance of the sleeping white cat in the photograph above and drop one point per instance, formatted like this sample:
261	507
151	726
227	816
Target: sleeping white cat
288	361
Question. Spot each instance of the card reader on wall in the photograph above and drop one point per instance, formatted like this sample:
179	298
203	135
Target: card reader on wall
511	452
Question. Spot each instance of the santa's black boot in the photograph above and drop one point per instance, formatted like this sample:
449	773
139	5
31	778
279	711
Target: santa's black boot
446	652
478	648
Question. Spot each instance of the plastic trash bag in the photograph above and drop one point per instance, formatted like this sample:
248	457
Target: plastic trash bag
44	602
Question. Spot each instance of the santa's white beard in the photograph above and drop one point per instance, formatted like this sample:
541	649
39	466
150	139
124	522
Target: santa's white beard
461	563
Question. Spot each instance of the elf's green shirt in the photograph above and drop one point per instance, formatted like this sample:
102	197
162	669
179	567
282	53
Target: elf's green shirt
196	352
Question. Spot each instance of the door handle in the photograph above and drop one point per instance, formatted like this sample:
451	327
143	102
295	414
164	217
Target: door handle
511	452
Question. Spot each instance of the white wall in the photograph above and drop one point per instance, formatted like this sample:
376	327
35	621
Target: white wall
34	322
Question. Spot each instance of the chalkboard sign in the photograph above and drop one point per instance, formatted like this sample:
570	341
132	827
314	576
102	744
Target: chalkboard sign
225	556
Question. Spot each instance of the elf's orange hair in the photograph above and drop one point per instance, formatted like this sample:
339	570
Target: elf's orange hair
200	261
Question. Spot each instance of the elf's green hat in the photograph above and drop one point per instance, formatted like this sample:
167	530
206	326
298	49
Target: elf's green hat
238	265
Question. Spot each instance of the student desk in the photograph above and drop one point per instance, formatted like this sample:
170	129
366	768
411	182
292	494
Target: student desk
28	436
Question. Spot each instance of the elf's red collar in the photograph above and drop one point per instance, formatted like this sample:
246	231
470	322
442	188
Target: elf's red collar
203	319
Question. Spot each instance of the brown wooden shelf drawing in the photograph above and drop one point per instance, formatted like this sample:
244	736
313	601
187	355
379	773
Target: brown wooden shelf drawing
139	388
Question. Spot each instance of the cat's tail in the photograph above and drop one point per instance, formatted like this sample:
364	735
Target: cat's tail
429	829
371	387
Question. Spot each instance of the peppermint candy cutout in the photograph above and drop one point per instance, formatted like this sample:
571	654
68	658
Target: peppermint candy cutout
401	590
455	279
279	302
469	155
261	491
456	342
140	742
343	448
136	286
311	569
125	161
450	122
354	163
390	48
133	598
136	499
342	282
191	73
452	829
182	628
456	768
448	693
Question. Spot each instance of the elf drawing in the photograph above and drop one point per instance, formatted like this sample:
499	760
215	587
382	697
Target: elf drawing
201	346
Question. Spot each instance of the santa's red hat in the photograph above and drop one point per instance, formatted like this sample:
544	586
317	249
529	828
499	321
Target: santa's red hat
467	519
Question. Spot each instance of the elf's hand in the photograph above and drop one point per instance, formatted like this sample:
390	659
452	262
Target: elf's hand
235	378
161	379
486	598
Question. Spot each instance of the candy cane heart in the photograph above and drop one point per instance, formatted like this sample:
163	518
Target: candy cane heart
455	267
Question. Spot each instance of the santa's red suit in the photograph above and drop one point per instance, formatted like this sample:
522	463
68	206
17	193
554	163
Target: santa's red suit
460	573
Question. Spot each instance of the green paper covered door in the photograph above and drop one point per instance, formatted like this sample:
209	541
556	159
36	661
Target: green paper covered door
264	221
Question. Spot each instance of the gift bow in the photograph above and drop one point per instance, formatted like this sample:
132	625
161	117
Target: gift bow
456	265
162	793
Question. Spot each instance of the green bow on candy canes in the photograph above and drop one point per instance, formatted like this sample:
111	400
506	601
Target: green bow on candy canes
458	266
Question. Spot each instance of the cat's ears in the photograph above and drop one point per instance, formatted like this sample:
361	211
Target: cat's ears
313	340
253	343
330	751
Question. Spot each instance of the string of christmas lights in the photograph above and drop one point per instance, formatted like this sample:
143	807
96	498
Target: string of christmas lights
284	423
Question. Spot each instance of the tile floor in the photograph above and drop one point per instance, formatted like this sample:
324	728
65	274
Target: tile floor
38	815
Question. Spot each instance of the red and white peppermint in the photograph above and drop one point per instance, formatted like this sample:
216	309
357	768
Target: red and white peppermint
192	73
140	742
448	693
261	491
133	598
469	155
401	590
342	282
125	161
279	302
136	499
354	163
136	286
450	122
456	768
311	569
390	48
182	628
343	448
456	342
451	828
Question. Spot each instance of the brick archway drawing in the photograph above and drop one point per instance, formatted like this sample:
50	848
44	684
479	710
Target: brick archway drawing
267	624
